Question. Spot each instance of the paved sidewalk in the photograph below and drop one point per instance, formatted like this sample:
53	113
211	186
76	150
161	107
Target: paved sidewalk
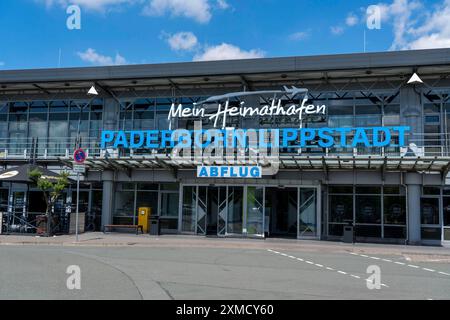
98	239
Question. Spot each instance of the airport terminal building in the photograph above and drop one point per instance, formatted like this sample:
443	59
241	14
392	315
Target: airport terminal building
363	145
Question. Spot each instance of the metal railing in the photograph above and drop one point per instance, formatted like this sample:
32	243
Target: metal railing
430	145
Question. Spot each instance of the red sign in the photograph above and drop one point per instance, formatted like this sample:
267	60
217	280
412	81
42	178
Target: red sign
79	156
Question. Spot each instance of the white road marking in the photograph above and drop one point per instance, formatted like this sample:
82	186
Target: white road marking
320	265
402	264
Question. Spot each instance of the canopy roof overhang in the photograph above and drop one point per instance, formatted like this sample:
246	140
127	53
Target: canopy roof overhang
287	162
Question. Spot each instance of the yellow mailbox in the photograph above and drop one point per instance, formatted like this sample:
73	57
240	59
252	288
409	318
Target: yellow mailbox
143	217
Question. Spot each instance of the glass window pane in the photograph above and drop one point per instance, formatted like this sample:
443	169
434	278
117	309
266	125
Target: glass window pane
188	210
430	210
235	210
124	212
368	209
394	232
147	200
446	208
255	214
147	186
395	210
368	190
336	229
431	233
341	208
432	191
368	231
169	204
340	189
308	212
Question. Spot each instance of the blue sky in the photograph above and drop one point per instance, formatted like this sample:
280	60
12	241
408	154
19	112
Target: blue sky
34	32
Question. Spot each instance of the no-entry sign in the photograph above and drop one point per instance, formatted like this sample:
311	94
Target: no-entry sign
79	156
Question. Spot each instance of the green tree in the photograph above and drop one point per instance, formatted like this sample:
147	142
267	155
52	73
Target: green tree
52	189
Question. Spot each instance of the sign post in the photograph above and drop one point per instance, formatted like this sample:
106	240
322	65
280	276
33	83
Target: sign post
79	156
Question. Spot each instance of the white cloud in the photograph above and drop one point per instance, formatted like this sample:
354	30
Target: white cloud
351	20
223	4
416	25
434	32
91	56
298	36
182	41
227	51
98	5
337	30
199	10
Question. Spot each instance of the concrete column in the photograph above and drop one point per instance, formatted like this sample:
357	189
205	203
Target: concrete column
111	114
414	183
108	196
411	113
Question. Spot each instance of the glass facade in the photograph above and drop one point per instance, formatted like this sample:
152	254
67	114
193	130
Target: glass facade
376	212
253	211
54	125
243	209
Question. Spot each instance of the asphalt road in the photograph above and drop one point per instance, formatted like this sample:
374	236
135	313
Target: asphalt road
39	272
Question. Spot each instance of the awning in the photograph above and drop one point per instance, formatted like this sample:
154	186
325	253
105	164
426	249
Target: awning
298	162
21	174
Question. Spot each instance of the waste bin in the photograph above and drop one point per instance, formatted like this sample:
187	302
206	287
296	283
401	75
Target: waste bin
154	226
349	233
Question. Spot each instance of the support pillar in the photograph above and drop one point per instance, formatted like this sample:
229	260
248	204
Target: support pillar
108	196
414	184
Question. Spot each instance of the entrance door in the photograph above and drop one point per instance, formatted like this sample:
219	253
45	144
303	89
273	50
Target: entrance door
307	213
255	211
281	212
216	214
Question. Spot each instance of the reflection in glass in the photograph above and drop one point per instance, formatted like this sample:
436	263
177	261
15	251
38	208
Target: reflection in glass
255	213
394	210
169	204
124	212
368	209
188	210
235	209
308	209
446	209
147	200
341	208
430	210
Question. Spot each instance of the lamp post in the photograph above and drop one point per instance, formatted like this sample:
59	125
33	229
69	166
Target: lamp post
92	92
